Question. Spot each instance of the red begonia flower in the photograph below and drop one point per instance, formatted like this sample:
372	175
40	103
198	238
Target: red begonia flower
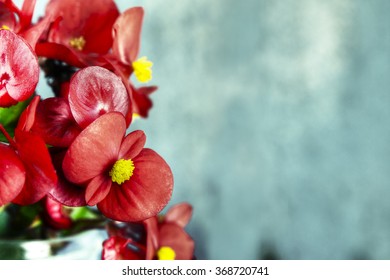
93	91
85	26
17	61
167	239
125	180
159	237
12	174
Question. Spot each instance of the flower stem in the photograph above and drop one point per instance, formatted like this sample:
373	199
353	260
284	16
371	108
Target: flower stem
9	138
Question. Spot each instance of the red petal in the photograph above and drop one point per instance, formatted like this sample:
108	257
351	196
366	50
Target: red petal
17	61
55	215
94	91
55	123
40	174
27	118
65	192
117	248
174	236
132	145
95	149
12	175
33	34
97	189
141	100
179	214
60	52
127	35
151	226
145	194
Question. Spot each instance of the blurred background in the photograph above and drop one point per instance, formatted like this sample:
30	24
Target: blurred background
273	116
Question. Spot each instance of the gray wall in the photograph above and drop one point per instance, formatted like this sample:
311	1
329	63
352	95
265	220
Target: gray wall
274	118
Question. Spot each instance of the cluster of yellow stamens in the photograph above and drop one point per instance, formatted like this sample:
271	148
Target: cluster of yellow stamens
77	43
122	170
5	27
143	69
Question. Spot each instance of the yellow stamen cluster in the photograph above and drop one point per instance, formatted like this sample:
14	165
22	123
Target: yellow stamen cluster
143	69
166	253
122	170
5	27
77	43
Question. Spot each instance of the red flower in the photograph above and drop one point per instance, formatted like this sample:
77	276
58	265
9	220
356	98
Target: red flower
17	61
167	239
125	180
40	176
93	91
85	26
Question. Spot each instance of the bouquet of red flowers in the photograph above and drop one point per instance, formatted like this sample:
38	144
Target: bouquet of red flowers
67	162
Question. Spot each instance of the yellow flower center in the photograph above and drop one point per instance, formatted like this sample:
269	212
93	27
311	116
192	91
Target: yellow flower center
122	170
143	69
166	253
5	27
77	43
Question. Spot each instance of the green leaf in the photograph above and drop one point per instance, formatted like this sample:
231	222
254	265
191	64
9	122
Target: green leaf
83	213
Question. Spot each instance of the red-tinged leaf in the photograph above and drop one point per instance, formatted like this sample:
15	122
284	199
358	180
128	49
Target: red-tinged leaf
60	52
174	236
151	226
127	35
95	149
12	175
27	118
97	189
55	215
92	21
17	61
179	214
7	17
40	173
65	192
95	91
132	145
144	195
119	248
55	123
